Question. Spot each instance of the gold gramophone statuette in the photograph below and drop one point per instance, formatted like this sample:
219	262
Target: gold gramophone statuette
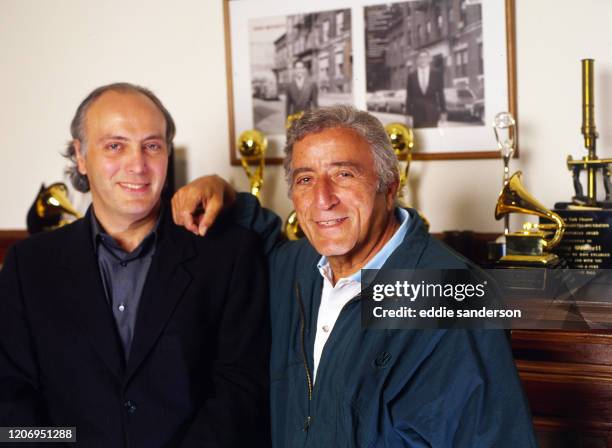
402	142
530	246
49	208
252	145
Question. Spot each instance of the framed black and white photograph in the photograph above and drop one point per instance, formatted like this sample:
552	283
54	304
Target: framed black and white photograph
442	67
298	62
426	66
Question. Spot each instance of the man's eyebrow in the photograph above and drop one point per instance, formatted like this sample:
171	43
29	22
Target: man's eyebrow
346	163
113	137
301	170
342	163
125	139
155	137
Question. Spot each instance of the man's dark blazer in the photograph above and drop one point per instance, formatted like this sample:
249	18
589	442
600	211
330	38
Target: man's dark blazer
300	100
197	374
425	108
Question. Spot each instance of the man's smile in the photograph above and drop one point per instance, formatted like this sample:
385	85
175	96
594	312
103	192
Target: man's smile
330	222
134	187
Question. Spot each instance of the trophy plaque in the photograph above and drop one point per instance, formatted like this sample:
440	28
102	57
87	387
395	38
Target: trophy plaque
588	241
530	247
252	145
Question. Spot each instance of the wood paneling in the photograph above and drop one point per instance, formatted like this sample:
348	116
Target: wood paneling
567	377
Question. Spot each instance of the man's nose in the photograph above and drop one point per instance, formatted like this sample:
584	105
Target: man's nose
325	195
137	162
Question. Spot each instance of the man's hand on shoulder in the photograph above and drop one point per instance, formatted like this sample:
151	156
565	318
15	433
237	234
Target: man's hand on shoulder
197	205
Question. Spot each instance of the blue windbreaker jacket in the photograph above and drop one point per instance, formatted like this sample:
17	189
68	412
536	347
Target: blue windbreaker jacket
381	388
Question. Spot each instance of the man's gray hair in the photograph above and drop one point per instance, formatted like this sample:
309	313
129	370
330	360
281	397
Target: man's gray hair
365	124
77	127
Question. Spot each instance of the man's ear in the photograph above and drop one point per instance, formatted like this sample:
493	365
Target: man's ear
80	156
391	194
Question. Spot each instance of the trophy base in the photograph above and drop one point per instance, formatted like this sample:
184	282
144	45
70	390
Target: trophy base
495	250
525	244
528	261
578	205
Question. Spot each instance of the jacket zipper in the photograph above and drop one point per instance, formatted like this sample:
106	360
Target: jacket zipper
308	419
304	357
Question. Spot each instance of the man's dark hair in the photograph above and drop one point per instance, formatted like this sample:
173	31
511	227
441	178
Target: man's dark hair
77	127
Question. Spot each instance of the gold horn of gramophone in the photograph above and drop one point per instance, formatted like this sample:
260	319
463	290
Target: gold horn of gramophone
529	247
49	208
252	145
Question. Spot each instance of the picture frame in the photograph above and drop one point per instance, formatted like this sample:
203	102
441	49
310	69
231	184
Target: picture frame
338	44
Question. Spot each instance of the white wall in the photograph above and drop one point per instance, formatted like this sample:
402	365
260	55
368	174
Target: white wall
52	53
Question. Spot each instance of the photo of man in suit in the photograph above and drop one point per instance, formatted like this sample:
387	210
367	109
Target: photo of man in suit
122	324
425	102
302	91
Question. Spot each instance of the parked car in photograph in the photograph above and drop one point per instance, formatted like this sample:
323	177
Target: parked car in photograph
376	101
462	104
478	110
387	101
264	86
396	102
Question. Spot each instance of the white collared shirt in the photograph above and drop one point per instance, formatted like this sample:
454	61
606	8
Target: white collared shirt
334	297
424	79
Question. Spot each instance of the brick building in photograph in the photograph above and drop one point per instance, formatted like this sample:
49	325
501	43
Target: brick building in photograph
322	41
450	30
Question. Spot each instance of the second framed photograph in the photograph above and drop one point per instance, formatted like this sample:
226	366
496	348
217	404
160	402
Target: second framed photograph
442	67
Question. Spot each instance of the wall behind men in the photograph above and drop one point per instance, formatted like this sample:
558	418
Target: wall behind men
52	53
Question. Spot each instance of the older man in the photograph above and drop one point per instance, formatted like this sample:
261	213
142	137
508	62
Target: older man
334	384
122	324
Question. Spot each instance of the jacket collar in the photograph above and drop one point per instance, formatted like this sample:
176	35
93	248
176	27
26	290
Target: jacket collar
408	254
309	281
166	283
